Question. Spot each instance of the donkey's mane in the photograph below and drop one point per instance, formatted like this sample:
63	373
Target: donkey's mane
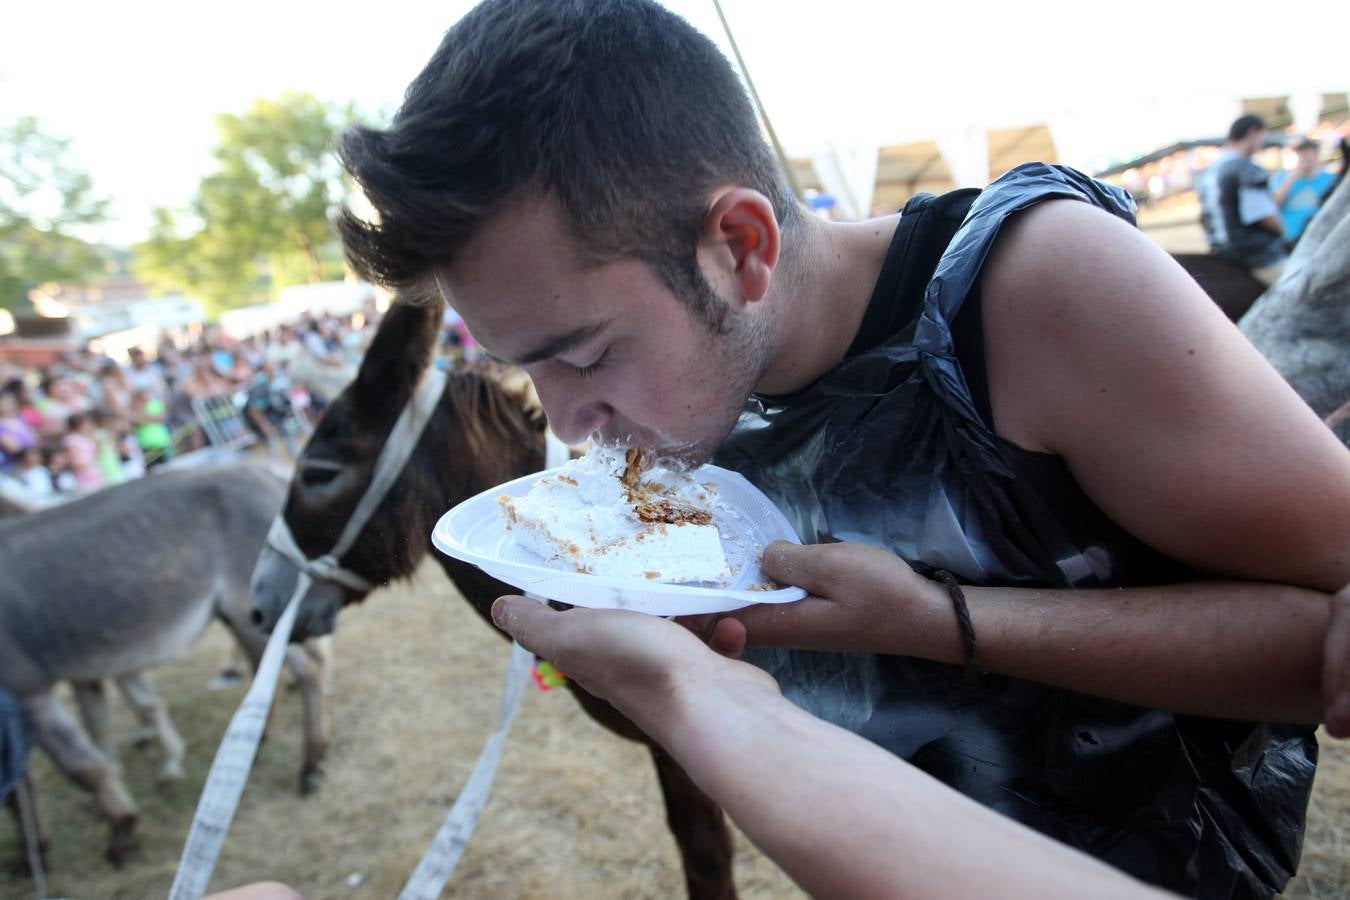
488	408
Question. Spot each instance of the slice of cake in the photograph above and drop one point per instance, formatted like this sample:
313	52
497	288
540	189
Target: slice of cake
619	514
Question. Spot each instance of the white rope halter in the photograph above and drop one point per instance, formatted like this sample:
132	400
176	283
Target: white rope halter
398	447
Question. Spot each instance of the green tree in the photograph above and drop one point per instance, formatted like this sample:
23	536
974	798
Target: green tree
262	218
44	197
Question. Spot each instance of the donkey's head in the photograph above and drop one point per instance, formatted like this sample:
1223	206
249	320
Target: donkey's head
478	435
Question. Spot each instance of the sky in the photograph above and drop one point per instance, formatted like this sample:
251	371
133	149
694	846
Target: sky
135	84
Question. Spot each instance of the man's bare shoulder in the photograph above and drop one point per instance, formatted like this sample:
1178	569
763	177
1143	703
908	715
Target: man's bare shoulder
1065	277
1101	349
1061	252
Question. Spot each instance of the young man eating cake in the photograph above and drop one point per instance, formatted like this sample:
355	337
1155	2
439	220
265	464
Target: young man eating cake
1012	389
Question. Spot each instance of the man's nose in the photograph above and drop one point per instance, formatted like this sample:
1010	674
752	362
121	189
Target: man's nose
572	415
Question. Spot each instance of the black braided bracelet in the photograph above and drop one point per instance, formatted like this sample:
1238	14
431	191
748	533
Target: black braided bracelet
973	668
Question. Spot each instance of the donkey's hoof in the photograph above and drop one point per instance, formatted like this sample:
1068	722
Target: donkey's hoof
310	779
170	772
123	843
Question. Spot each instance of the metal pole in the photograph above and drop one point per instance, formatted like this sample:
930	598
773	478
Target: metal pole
759	104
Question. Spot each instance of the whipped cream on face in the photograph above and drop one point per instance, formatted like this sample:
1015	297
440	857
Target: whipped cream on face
615	514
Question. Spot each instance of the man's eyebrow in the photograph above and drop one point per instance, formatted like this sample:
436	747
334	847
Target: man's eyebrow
563	343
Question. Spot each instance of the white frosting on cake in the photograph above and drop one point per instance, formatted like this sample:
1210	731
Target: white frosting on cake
583	516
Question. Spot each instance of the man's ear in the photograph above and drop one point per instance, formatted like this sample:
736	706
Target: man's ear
738	245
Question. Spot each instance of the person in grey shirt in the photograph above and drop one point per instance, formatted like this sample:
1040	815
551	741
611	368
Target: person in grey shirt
1241	218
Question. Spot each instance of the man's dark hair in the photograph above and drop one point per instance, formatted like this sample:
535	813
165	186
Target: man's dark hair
1308	144
1245	125
617	110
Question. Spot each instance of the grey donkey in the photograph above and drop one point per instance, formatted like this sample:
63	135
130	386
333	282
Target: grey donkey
115	583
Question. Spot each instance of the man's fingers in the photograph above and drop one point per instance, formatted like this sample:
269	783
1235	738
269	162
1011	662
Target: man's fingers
528	622
808	624
700	625
806	567
728	637
1336	660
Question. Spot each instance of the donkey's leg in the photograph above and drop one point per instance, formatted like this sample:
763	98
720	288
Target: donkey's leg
253	643
72	751
700	830
231	670
318	656
154	713
92	701
696	822
250	641
310	664
321	651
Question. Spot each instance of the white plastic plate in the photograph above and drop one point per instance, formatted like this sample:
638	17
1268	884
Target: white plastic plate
474	532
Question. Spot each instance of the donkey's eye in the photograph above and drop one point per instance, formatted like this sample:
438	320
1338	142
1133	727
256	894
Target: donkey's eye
319	473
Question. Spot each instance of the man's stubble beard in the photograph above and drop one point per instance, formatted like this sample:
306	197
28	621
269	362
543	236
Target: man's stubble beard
744	351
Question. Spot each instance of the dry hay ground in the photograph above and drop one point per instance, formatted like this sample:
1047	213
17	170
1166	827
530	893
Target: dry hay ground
575	812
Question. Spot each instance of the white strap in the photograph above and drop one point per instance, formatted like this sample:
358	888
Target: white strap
431	874
324	567
234	759
398	447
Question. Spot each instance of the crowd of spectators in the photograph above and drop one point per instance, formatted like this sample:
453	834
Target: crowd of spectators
87	420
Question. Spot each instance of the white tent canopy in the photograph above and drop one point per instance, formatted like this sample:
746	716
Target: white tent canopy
1109	81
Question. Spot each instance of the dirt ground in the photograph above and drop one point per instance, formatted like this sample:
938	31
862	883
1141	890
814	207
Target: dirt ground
574	813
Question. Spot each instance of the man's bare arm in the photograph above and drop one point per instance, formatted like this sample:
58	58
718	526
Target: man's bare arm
843	817
1234	649
1279	192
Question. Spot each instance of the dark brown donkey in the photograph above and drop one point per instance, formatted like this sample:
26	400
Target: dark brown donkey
480	435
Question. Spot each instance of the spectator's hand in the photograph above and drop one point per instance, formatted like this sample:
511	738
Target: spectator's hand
646	666
1336	663
862	598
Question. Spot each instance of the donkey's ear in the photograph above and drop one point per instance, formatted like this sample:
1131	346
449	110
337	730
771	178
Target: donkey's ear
400	351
